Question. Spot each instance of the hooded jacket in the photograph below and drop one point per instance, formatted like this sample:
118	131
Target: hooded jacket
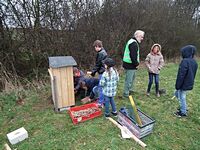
154	62
187	69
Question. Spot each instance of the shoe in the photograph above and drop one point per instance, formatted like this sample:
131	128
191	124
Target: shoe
148	94
180	114
85	100
114	113
179	109
120	96
162	91
100	105
126	96
158	95
131	92
107	115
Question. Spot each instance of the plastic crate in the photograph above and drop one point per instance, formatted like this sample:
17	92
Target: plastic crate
84	112
136	129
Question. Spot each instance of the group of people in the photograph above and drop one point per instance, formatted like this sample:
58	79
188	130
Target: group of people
105	86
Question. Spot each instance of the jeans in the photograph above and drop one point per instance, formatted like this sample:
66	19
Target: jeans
181	96
156	78
129	81
108	101
95	92
101	96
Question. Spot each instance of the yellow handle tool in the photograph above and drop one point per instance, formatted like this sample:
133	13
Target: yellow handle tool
135	111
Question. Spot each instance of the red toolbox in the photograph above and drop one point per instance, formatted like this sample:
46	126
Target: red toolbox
84	112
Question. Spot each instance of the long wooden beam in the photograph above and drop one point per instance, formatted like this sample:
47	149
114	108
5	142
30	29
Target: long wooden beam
7	147
127	132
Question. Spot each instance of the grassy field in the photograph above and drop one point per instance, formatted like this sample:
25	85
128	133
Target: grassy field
50	130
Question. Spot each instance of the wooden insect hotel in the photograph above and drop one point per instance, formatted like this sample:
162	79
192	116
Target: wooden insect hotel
62	82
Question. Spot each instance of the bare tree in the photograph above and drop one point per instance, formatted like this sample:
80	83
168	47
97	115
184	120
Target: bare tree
33	30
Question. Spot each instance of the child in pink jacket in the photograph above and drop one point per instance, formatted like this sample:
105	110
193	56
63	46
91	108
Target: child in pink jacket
154	62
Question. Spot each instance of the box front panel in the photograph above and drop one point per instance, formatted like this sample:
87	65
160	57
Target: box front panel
136	130
67	87
58	88
129	124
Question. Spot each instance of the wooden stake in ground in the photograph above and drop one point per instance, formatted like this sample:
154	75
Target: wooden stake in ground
137	117
128	132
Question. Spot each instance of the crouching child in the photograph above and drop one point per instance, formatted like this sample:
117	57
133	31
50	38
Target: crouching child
90	85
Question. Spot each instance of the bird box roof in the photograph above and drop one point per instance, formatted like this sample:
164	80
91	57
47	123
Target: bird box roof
61	61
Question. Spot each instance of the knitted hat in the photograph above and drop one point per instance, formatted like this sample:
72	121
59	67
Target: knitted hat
109	62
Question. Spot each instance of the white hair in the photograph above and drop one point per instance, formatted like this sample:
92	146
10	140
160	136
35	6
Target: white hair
138	32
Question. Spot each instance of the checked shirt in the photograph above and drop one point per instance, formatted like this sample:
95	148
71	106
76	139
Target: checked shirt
109	83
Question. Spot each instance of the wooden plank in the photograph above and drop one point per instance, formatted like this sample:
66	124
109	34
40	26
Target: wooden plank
67	85
127	132
59	88
7	147
57	74
64	87
50	73
52	84
70	86
53	88
55	93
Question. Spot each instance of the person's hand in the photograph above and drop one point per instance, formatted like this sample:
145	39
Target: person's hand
89	72
150	70
92	74
137	64
75	91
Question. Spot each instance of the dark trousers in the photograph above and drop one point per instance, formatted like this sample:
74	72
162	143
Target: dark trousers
156	78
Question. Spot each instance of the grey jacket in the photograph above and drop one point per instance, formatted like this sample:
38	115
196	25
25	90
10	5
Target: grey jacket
154	62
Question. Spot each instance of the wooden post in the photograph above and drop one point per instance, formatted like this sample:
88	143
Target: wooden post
53	89
137	117
50	73
128	132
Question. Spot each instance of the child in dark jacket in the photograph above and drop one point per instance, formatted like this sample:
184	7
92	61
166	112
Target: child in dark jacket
99	67
185	78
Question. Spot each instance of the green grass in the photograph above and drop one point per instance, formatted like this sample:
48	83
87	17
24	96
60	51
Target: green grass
50	130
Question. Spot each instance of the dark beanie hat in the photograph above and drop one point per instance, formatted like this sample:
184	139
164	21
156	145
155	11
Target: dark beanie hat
109	62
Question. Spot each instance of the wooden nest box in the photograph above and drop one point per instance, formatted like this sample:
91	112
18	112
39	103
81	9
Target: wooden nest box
62	82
